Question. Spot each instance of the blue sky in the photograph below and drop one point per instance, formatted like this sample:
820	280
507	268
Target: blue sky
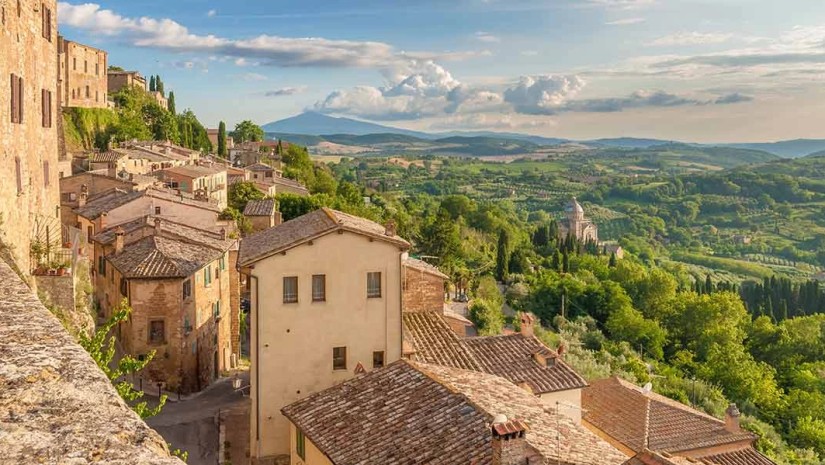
705	71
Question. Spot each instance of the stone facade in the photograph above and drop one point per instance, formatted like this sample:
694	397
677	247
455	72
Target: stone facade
116	80
234	304
82	74
576	224
75	190
29	114
423	288
58	290
79	417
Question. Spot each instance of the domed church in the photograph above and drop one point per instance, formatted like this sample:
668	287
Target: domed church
576	224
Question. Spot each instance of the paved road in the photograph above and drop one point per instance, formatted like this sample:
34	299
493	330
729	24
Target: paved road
192	424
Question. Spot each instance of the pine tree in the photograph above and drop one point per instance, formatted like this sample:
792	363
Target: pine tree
222	139
152	84
612	262
172	103
503	255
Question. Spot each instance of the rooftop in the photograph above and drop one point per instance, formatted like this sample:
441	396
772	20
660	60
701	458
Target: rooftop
414	413
194	171
620	409
421	265
169	229
157	257
259	167
114	198
306	227
263	207
509	356
105	157
56	406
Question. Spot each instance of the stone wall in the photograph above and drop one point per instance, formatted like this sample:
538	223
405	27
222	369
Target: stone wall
235	304
56	406
29	149
423	291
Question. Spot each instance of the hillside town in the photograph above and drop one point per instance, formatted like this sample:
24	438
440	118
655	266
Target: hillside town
273	337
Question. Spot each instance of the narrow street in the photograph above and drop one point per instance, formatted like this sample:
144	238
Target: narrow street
194	423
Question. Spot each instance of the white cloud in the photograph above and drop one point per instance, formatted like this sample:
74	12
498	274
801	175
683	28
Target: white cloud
211	13
544	94
285	91
482	36
166	34
691	38
625	21
254	77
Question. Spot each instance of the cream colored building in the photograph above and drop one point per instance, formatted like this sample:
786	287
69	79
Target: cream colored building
204	182
326	304
577	225
83	78
29	112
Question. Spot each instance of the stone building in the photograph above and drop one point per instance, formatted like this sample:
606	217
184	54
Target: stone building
76	190
262	214
271	181
576	225
202	181
29	113
82	75
212	134
418	413
176	278
325	304
116	80
423	286
161	99
637	420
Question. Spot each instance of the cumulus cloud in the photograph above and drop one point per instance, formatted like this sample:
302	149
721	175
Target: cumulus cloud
285	91
542	95
166	34
691	38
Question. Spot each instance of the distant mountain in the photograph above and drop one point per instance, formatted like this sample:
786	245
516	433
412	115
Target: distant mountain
627	142
786	148
317	124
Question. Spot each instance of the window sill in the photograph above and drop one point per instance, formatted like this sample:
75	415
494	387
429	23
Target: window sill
340	369
374	296
290	302
319	301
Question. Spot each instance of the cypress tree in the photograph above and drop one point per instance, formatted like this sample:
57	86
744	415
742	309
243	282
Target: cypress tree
502	255
565	262
222	139
708	285
152	84
612	262
159	85
556	261
172	103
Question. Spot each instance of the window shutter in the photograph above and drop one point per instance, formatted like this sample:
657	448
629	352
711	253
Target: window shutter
49	107
43	111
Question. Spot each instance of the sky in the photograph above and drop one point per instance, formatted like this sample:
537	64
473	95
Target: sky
688	70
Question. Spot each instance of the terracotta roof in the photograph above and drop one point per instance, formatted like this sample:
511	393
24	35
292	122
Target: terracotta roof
648	457
193	171
556	436
170	229
421	265
106	201
306	227
105	157
263	207
259	167
745	456
162	257
279	180
620	409
434	342
409	413
511	357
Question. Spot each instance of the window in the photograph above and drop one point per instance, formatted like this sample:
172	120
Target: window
16	99
88	92
18	171
187	289
46	173
207	276
290	289
97	69
222	263
157	210
124	287
89	233
300	444
47	22
157	332
216	310
74	64
46	107
101	265
374	284
85	66
378	359
319	288
339	358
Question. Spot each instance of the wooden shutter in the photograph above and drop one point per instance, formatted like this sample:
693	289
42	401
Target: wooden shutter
49	106
43	109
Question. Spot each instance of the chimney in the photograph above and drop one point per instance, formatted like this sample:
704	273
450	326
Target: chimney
102	220
223	234
83	197
157	226
112	170
526	324
389	228
732	419
509	444
118	240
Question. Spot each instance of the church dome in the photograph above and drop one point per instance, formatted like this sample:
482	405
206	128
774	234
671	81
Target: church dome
574	206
